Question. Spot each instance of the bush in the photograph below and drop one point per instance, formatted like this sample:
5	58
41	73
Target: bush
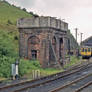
15	38
9	22
24	9
7	46
31	13
26	66
5	66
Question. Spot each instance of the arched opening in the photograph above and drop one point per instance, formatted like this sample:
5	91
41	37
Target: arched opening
60	47
54	43
33	47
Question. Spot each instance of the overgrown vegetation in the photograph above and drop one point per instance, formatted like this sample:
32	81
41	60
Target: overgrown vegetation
73	61
5	66
9	36
27	67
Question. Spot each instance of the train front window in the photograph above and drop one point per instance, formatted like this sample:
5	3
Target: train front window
82	49
85	50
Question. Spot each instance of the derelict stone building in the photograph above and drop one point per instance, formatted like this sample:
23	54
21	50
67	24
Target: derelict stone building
43	38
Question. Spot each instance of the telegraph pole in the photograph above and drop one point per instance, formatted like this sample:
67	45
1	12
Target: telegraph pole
81	38
76	32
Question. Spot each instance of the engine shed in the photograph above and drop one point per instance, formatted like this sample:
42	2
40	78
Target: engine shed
44	39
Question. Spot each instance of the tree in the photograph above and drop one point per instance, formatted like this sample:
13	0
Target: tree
24	9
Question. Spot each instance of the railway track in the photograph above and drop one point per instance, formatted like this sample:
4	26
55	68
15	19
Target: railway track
65	88
84	86
20	87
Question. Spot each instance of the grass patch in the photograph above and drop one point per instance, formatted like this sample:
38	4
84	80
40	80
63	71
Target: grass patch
50	71
9	34
73	61
2	79
10	14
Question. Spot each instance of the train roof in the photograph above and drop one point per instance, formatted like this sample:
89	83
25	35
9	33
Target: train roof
86	46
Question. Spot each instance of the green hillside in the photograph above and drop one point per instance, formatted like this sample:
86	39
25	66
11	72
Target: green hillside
9	14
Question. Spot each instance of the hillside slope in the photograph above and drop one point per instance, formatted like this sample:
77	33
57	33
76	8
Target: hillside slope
9	14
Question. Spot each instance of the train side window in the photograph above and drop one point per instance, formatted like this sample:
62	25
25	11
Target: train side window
88	49
91	49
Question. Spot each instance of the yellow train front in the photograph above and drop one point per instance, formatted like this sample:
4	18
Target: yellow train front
86	52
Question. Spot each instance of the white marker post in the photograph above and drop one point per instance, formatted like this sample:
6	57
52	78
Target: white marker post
13	71
15	74
16	69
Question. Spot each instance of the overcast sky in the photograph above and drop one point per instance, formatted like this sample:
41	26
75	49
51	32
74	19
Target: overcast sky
78	13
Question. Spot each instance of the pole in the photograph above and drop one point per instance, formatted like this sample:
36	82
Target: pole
81	38
76	32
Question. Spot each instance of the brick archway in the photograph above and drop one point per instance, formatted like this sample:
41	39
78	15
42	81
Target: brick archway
33	47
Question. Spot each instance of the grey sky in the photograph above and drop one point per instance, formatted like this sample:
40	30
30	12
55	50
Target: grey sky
76	12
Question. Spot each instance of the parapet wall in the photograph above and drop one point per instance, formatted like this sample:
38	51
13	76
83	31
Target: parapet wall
42	22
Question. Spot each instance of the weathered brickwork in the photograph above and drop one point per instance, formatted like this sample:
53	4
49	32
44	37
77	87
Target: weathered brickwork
43	38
